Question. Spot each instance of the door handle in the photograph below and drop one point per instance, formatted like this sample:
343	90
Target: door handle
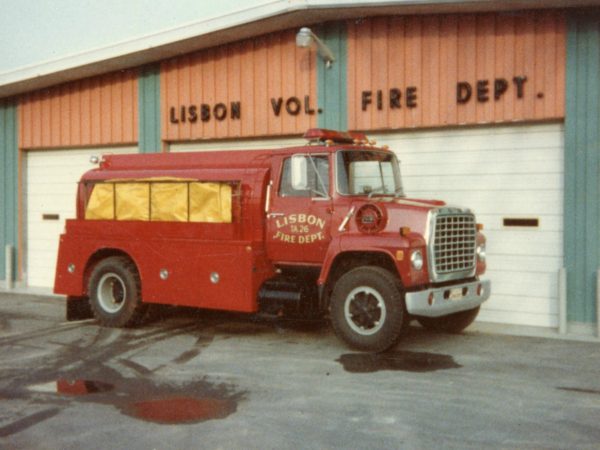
275	214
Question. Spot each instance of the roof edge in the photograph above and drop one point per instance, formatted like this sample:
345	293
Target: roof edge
268	17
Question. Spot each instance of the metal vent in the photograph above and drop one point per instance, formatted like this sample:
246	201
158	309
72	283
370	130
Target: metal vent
453	246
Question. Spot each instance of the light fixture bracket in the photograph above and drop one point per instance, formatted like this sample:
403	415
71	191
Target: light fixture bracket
305	38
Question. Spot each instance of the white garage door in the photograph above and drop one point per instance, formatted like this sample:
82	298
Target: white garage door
51	186
242	144
512	177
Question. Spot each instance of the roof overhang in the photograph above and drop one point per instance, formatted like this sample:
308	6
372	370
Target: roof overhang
242	24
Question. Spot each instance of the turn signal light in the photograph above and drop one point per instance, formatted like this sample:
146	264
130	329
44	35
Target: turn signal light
404	231
479	227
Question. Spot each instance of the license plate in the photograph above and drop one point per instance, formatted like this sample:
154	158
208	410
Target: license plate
455	294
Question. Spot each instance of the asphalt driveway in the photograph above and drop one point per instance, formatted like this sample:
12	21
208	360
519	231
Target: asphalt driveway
217	381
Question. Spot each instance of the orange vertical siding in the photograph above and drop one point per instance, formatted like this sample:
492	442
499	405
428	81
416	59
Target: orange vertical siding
98	111
260	108
234	84
257	74
448	69
435	53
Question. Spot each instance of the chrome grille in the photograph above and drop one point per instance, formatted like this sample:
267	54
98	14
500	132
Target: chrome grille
453	246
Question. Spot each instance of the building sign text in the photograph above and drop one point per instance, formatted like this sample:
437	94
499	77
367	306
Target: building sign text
481	91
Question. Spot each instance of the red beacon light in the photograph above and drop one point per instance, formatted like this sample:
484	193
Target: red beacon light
337	137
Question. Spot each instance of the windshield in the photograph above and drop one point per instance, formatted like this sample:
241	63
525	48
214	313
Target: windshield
361	172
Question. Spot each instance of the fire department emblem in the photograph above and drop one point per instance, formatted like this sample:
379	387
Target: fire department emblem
299	229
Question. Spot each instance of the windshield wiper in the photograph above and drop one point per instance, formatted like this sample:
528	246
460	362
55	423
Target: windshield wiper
320	180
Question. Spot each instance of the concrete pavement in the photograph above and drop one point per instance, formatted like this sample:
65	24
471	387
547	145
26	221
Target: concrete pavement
196	379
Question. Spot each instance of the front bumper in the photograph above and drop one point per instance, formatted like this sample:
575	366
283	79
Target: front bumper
437	302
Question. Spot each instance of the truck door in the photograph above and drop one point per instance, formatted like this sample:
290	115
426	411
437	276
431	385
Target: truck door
299	220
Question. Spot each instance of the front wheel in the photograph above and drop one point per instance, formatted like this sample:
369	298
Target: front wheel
367	309
453	323
115	293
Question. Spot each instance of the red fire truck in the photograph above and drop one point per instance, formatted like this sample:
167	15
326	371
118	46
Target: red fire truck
318	230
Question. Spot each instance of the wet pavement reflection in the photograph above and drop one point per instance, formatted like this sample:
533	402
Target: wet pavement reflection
180	410
396	361
143	400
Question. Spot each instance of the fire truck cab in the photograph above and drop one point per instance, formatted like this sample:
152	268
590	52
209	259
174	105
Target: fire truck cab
318	230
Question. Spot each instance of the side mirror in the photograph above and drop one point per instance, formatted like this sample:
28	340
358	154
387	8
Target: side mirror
299	173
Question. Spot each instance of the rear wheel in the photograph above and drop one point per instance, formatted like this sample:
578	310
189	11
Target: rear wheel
115	293
453	323
367	309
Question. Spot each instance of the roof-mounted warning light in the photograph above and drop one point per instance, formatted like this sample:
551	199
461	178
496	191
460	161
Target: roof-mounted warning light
335	137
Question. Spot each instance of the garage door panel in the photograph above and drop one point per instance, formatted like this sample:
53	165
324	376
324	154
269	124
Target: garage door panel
495	221
499	172
535	244
58	175
46	159
51	186
518	318
498	194
478	140
42	264
525	304
503	156
524	284
525	203
442	182
60	193
528	263
65	166
472	165
522	248
517	204
42	240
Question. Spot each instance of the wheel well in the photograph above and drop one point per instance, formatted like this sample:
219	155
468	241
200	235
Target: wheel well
347	261
99	256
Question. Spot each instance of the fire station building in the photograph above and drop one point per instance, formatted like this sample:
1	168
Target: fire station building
493	105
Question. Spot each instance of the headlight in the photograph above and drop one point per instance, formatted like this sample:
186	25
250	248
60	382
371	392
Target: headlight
481	252
416	259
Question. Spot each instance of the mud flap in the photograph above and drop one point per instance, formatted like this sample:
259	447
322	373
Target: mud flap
78	308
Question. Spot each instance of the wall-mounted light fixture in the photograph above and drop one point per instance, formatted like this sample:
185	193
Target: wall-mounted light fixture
305	38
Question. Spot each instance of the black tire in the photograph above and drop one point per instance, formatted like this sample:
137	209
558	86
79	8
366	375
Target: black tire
367	309
115	293
454	323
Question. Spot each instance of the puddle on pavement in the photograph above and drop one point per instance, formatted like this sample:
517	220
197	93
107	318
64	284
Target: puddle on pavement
405	361
580	390
180	410
145	400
